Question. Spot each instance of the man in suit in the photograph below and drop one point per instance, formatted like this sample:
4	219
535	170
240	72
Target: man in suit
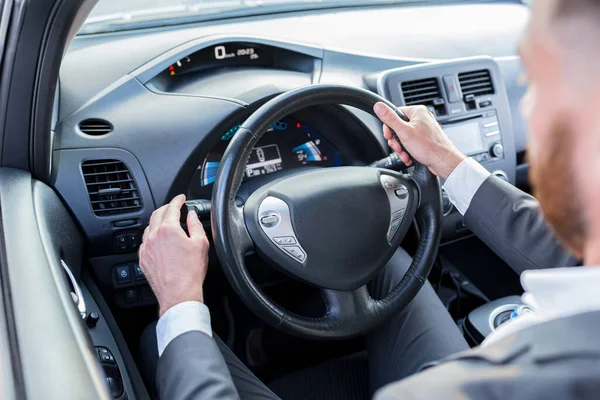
550	352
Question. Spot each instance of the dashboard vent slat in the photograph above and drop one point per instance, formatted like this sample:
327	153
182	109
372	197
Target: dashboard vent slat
95	127
477	83
422	91
111	187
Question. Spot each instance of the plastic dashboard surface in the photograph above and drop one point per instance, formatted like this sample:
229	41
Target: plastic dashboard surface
163	133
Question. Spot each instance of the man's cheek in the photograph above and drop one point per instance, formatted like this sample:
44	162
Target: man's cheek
537	128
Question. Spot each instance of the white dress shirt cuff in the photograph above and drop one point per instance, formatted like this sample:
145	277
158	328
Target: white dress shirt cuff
463	183
179	319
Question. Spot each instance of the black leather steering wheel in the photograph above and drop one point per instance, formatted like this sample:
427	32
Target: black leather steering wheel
333	228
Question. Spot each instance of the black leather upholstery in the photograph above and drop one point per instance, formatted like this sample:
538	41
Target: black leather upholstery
348	313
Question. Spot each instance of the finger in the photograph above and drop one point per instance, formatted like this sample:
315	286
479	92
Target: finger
389	117
195	228
173	212
394	145
156	219
387	133
405	158
413	111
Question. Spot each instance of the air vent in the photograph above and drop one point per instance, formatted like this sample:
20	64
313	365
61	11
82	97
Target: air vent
476	83
95	127
111	187
423	92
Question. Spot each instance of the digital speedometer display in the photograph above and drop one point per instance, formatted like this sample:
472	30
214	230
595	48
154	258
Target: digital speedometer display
223	55
287	144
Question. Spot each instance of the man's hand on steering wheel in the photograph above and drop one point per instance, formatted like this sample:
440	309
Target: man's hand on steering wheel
174	262
422	137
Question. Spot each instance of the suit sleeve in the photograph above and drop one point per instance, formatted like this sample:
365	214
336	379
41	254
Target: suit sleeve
510	222
192	368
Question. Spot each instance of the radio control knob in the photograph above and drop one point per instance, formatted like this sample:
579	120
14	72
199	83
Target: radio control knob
497	150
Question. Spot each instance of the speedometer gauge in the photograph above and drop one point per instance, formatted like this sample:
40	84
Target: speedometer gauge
286	144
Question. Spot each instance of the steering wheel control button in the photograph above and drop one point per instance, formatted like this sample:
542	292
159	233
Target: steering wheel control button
270	220
285	241
295	252
276	223
123	274
398	196
401	192
393	229
398	215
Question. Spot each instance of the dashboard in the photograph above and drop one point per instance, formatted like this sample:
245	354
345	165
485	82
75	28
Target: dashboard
145	115
287	144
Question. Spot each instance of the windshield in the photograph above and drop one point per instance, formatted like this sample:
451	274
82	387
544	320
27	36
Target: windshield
113	15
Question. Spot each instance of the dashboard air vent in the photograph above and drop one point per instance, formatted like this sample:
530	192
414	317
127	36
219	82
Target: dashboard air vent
95	127
476	83
111	187
422	92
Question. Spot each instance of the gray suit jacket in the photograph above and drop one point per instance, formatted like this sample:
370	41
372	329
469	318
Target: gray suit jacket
192	368
510	222
559	359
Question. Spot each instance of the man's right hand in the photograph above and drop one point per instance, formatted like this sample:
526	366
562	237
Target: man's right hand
175	263
422	137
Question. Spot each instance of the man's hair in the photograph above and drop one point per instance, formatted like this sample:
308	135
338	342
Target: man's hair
571	7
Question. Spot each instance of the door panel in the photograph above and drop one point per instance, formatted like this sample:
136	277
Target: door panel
56	355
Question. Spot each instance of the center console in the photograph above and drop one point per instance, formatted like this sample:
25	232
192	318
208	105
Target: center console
484	320
468	98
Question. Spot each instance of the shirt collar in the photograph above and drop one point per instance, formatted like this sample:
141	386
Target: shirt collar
562	291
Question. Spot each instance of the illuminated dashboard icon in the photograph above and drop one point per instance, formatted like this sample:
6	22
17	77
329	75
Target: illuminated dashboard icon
229	134
264	160
308	151
209	172
280	126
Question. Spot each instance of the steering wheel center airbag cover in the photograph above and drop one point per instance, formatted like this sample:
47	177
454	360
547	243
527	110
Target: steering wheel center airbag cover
339	220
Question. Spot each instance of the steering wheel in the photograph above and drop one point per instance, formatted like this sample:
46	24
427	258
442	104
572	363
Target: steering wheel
332	228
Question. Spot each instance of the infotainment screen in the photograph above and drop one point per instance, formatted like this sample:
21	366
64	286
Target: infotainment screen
466	137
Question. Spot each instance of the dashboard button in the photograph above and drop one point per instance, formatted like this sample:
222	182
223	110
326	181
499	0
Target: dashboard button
123	274
285	240
295	252
137	272
134	240
121	243
452	88
131	295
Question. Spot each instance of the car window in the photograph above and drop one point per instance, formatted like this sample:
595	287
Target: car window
114	15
